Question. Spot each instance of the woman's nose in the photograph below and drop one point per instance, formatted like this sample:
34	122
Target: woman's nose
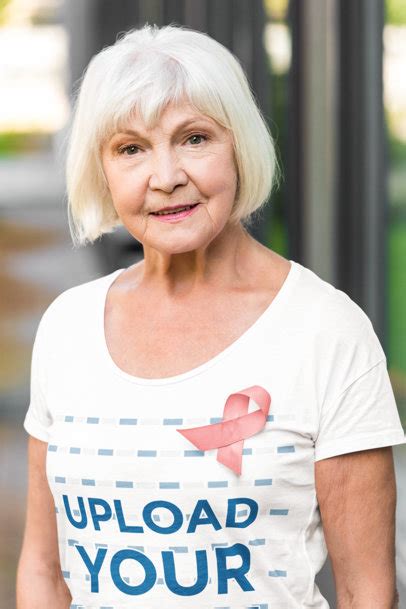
166	171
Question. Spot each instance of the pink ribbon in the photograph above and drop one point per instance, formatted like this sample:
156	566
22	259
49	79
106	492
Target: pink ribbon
228	436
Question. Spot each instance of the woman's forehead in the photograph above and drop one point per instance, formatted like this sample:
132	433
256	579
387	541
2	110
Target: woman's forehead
172	112
172	116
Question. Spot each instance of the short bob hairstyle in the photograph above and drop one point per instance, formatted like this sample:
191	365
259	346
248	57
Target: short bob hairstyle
141	72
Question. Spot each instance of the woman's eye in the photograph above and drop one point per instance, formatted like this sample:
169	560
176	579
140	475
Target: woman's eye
198	136
131	150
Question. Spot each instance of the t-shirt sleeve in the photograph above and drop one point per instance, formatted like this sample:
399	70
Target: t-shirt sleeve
361	412
364	416
37	418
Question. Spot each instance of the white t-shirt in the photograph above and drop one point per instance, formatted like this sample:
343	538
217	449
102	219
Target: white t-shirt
144	518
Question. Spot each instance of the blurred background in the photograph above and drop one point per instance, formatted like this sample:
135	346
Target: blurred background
329	76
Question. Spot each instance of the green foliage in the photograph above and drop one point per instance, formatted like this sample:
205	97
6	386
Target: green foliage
397	151
396	316
276	230
3	4
13	143
276	9
397	293
395	12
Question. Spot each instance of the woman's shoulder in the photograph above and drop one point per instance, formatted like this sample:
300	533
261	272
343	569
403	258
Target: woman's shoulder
311	299
332	304
336	321
76	299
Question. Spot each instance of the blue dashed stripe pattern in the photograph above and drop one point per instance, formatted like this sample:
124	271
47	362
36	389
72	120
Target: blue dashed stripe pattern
124	484
263	482
256	542
164	484
160	582
73	542
217	483
106	451
147	453
148	421
127	421
193	453
172	422
277	573
286	449
181	549
279	511
120	451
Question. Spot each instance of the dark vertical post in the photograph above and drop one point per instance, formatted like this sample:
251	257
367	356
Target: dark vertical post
111	18
295	169
362	200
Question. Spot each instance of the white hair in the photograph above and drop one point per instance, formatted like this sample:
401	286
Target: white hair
143	71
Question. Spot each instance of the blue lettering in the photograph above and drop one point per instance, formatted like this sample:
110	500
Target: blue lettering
176	513
83	521
93	568
196	519
170	574
150	572
125	528
238	574
97	518
231	512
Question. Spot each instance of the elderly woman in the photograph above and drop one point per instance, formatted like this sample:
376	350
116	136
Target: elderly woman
205	424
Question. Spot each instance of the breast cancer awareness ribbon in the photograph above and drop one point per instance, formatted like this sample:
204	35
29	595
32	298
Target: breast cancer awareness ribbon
228	435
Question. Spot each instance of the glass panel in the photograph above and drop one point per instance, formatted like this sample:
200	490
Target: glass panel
395	114
277	42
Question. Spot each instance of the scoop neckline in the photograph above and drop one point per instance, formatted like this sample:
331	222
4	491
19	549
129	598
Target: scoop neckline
274	306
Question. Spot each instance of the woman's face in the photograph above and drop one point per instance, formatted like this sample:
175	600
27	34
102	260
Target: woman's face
187	159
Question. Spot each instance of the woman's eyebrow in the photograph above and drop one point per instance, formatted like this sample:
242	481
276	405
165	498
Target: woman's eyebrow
181	125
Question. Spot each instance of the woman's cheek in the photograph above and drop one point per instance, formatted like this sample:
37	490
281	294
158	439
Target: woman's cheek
127	191
214	176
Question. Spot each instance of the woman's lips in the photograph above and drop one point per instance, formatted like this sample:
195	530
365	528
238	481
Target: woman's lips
176	215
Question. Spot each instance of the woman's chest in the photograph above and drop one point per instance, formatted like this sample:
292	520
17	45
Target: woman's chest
122	475
114	426
134	458
132	487
119	432
159	345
